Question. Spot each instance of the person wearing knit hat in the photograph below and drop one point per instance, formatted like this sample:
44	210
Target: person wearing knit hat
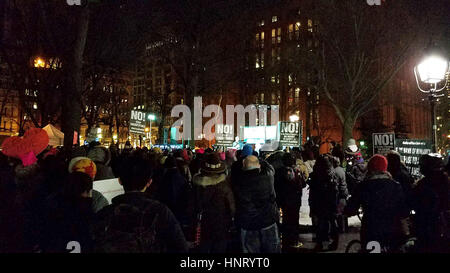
84	165
377	163
384	206
247	150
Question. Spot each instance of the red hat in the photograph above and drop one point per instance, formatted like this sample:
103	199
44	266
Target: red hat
377	163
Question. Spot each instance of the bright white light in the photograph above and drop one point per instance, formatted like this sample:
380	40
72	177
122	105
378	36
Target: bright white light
151	117
99	130
294	118
432	69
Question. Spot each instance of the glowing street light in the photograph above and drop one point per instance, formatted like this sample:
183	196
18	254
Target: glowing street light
150	117
431	71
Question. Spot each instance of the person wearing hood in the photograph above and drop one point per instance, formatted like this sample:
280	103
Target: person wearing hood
102	157
384	206
213	206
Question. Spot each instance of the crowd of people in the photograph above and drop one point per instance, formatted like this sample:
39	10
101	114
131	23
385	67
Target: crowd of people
207	201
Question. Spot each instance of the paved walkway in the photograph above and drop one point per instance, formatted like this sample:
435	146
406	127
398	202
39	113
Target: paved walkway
306	236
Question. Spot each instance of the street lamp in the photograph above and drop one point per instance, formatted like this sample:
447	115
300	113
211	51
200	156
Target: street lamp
294	118
151	117
431	71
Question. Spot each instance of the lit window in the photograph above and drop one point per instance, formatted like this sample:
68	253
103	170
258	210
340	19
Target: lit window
291	31
257	61
261	23
297	29
274	19
35	106
262	97
262	40
310	25
274	35
262	59
279	35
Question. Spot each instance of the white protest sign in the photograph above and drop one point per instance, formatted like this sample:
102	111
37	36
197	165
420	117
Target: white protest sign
110	188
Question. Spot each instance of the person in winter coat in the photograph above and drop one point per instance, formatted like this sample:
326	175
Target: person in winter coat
86	165
173	190
325	193
383	204
256	209
236	167
183	161
102	157
340	174
290	182
431	202
134	222
68	216
355	170
399	172
214	206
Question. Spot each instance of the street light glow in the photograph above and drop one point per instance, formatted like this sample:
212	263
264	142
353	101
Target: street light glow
294	118
38	62
432	69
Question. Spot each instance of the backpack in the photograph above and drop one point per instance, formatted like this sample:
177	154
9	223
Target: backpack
127	232
330	189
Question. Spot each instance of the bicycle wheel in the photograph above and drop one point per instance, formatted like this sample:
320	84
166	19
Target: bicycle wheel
353	247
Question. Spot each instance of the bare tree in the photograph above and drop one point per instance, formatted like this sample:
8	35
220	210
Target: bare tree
360	48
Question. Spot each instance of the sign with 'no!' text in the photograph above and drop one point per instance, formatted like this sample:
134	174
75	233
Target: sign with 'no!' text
383	143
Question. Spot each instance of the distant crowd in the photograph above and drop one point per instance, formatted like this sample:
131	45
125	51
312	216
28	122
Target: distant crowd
218	201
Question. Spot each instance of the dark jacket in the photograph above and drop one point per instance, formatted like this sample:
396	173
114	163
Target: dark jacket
403	177
325	190
67	220
255	197
430	200
384	206
354	174
213	197
168	231
98	201
173	191
289	185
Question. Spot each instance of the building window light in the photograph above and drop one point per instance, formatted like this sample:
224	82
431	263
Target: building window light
274	19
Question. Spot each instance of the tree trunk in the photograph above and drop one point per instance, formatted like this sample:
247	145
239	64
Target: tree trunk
72	103
347	130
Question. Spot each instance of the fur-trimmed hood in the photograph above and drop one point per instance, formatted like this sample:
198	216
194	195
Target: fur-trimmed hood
208	180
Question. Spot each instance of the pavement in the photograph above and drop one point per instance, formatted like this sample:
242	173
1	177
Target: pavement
306	236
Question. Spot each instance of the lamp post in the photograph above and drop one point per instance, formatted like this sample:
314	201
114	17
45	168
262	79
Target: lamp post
151	117
430	72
